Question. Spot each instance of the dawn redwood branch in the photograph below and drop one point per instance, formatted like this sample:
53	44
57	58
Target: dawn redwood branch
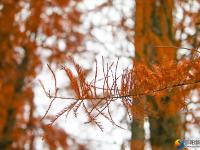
123	96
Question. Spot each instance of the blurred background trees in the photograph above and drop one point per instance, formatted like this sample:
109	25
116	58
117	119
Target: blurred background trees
155	25
33	33
25	28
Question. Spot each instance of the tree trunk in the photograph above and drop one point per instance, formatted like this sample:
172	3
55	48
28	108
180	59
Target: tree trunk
137	139
6	139
154	27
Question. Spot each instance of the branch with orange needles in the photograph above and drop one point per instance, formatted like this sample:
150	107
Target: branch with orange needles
134	83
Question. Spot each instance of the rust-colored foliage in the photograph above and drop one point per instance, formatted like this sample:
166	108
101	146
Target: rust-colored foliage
135	84
25	27
31	32
158	25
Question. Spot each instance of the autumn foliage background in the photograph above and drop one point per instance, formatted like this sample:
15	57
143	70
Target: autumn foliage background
158	41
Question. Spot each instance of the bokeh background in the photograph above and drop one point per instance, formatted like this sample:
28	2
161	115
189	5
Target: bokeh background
34	33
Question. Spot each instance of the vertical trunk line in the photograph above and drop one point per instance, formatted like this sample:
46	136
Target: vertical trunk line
153	27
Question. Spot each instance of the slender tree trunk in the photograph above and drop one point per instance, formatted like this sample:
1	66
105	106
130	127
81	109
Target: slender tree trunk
137	139
154	27
6	139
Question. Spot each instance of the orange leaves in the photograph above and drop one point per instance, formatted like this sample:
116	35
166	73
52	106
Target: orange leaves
85	89
62	3
8	89
130	88
78	84
74	16
55	137
73	82
23	37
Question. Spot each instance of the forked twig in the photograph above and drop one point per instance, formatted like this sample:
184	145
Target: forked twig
48	93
